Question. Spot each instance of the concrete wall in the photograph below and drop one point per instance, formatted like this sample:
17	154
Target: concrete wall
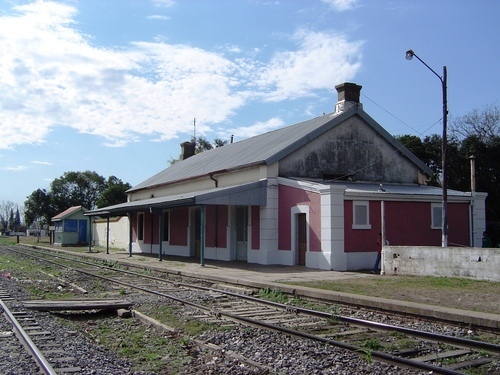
473	262
353	148
118	232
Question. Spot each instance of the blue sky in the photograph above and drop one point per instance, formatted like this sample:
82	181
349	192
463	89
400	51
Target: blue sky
113	86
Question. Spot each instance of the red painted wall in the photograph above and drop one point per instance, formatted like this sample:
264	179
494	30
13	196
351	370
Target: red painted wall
290	197
255	227
216	226
179	222
407	224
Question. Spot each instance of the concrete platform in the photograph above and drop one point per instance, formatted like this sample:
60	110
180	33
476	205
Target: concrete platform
260	276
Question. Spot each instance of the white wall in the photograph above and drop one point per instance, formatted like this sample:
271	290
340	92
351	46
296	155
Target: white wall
473	262
118	232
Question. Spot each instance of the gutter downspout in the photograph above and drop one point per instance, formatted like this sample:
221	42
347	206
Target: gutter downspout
214	179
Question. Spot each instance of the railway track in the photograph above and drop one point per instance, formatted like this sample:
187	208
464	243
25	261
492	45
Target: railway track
27	335
423	351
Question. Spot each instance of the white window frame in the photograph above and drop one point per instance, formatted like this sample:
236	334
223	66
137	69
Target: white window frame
439	224
367	224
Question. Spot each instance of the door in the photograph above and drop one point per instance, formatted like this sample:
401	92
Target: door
301	239
82	231
241	232
197	231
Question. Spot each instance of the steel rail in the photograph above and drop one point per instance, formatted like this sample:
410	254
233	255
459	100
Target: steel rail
27	342
458	341
356	349
385	357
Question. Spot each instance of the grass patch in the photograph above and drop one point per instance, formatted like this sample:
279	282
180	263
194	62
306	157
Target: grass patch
168	314
145	347
460	293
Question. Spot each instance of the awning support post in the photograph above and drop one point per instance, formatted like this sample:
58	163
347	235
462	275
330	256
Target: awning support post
202	236
129	234
90	235
160	231
107	235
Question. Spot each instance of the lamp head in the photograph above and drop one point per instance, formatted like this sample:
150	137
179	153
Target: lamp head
409	54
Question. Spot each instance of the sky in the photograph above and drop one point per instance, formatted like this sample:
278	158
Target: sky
114	86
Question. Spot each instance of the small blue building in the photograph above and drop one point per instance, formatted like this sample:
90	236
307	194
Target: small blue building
71	227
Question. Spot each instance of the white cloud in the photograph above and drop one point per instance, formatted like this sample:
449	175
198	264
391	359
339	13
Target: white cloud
255	129
342	5
321	61
17	168
164	3
158	17
53	76
41	162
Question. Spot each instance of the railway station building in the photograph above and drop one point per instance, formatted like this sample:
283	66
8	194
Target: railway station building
315	193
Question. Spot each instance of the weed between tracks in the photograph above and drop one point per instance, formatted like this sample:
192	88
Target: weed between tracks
276	295
148	349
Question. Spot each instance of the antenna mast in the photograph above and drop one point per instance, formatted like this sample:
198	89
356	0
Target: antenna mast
194	132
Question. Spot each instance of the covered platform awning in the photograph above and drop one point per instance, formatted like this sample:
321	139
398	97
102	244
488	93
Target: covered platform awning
252	194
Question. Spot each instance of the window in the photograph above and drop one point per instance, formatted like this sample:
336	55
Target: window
361	215
166	215
437	216
71	225
140	227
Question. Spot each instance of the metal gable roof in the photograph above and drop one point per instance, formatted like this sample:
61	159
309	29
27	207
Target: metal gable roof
70	211
264	149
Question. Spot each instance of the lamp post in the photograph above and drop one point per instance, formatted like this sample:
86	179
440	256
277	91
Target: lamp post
444	219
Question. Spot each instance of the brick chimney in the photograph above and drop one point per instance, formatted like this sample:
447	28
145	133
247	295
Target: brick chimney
348	96
187	150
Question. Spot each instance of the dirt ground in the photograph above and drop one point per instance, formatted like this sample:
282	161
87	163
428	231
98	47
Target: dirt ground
457	293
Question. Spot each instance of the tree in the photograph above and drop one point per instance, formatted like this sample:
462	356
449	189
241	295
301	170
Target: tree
39	207
479	135
475	134
483	124
78	189
114	193
14	220
202	144
73	189
6	209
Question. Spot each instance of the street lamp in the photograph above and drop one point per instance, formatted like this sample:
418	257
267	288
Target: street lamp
444	219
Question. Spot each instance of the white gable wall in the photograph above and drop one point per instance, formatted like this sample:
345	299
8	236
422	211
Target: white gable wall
352	148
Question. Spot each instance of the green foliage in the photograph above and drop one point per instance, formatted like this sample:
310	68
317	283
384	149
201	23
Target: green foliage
372	344
201	145
87	189
114	192
273	294
474	134
368	355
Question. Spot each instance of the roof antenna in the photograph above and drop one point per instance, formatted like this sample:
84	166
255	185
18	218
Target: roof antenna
194	133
